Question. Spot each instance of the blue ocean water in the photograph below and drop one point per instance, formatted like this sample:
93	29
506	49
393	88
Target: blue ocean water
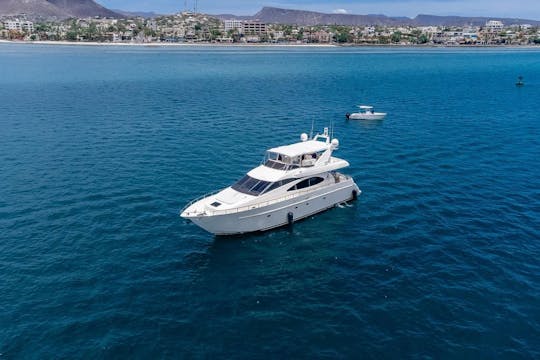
101	146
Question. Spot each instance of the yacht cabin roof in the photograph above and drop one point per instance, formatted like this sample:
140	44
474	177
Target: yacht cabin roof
301	148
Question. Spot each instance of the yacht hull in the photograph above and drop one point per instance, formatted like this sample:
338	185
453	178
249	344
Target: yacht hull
278	214
363	116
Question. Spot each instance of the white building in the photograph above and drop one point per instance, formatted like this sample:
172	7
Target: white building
12	25
428	29
28	26
252	39
18	25
470	33
494	26
368	31
278	35
233	25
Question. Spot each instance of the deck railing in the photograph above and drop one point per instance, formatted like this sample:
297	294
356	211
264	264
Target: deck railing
298	193
199	198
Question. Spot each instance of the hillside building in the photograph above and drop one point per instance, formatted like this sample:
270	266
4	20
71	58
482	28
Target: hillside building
236	25
494	26
18	25
254	27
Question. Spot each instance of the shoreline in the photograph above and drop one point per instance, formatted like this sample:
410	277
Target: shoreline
255	45
162	44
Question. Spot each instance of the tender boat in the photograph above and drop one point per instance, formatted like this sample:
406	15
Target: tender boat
366	113
294	182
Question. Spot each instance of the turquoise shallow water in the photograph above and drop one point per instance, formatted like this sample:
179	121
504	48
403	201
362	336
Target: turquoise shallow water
101	147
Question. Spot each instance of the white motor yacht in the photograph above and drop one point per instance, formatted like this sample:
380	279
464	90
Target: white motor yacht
366	113
294	182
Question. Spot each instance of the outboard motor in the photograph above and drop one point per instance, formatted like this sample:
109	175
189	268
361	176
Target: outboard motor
347	115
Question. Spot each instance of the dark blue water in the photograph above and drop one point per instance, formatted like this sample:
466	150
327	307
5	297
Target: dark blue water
101	147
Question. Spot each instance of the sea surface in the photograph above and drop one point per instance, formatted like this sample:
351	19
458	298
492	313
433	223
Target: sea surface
100	147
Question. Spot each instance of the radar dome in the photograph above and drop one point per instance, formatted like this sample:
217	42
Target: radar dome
335	143
303	137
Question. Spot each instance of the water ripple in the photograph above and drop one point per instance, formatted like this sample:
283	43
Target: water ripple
99	149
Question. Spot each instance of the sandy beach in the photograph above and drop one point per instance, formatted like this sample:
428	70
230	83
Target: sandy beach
263	45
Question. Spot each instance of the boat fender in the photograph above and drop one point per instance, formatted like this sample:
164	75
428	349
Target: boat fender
290	218
354	194
347	115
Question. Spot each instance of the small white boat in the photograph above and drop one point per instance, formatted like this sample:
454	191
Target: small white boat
295	181
366	113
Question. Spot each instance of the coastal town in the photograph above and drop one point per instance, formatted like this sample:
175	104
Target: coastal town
189	27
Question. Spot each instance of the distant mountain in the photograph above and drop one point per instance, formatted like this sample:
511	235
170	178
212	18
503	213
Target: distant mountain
143	14
233	17
55	9
40	8
274	15
300	17
431	20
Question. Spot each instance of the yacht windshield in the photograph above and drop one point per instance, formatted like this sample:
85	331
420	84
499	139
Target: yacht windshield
275	161
251	186
276	165
281	162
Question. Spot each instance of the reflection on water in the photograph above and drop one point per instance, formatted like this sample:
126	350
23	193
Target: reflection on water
368	124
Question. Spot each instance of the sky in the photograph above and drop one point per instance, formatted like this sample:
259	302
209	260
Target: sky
528	9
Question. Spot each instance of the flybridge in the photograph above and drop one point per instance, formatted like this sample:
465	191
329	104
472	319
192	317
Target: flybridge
302	148
302	154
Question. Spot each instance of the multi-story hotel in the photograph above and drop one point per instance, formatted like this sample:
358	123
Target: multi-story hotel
18	25
494	26
233	25
254	27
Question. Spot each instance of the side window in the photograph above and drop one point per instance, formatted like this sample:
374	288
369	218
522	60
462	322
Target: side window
272	187
307	183
302	184
279	184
